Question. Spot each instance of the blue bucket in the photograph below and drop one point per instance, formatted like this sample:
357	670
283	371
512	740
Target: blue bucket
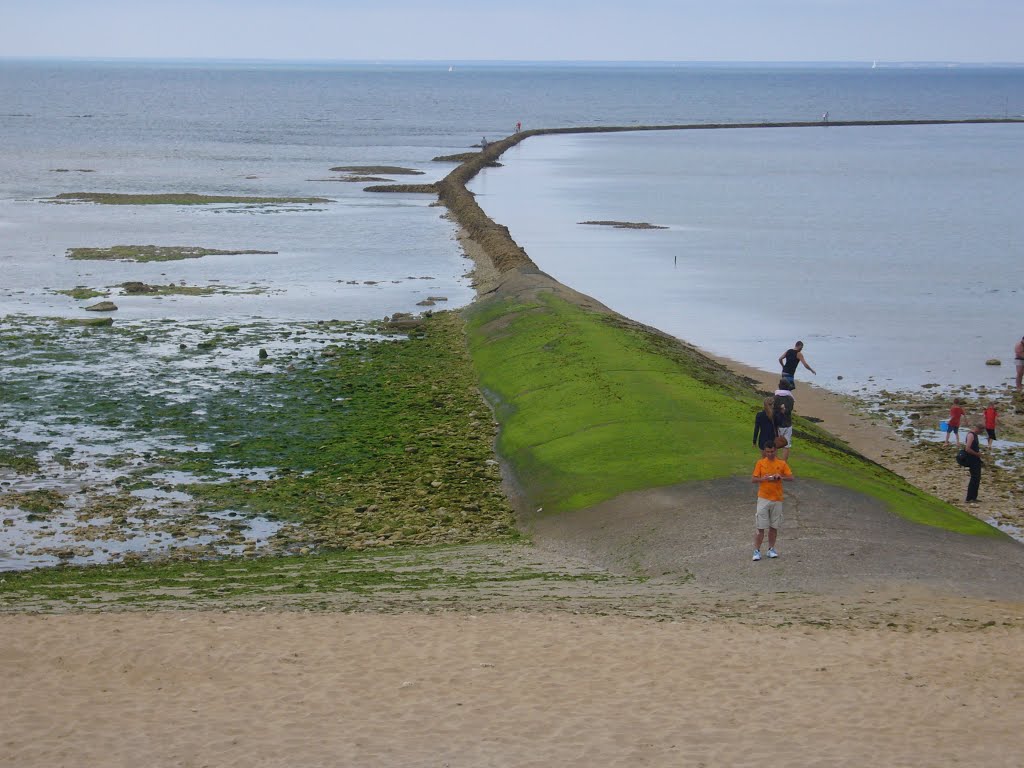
944	426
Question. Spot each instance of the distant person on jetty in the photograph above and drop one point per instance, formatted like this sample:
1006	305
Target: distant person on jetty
769	472
990	422
483	142
1018	358
956	414
784	403
789	360
824	118
519	126
973	448
764	425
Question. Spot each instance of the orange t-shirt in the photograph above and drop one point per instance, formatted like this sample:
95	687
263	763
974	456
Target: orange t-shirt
772	489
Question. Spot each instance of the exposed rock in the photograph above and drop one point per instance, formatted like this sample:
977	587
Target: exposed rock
625	224
136	288
410	324
91	321
993	361
102	306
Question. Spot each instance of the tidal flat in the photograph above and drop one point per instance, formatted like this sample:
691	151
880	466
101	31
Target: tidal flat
145	253
176	198
157	440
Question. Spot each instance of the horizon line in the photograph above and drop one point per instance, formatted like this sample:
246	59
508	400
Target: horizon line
878	63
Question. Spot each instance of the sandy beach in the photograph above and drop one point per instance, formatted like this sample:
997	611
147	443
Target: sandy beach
516	689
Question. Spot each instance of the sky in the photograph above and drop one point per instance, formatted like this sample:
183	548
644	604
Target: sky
527	30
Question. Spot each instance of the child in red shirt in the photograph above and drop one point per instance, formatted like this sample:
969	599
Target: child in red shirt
955	414
990	423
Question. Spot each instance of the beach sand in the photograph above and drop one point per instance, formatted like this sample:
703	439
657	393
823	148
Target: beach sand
512	689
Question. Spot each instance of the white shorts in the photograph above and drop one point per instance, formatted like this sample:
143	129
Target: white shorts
786	432
769	514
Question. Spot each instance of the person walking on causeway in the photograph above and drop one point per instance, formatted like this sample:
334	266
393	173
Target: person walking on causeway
769	473
764	425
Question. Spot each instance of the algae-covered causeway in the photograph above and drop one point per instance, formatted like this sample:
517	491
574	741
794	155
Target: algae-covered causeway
177	198
593	406
143	253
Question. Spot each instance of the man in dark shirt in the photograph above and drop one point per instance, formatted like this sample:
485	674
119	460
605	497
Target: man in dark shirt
790	359
784	403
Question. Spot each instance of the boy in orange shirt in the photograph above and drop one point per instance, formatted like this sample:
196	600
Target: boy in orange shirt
769	472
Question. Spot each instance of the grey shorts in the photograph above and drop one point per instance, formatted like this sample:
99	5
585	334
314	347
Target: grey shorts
769	514
787	432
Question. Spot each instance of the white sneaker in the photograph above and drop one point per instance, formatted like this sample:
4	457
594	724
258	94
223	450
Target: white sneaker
772	553
757	555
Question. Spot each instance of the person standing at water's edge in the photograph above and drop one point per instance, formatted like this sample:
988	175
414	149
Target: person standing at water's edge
991	414
956	413
1018	358
790	359
764	425
972	444
769	473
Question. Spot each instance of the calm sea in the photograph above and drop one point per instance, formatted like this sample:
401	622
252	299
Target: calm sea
893	252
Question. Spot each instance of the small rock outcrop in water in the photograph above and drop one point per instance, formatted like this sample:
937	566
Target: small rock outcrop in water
624	224
103	306
136	288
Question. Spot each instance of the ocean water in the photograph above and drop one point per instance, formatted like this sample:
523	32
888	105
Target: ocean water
837	208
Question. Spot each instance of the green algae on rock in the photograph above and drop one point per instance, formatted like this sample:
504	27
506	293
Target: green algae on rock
625	224
144	289
425	189
82	292
141	253
384	442
378	444
88	321
391	170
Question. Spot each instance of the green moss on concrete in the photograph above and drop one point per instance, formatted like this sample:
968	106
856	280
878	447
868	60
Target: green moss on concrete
593	406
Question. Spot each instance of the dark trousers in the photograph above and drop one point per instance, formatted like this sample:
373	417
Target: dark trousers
972	487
